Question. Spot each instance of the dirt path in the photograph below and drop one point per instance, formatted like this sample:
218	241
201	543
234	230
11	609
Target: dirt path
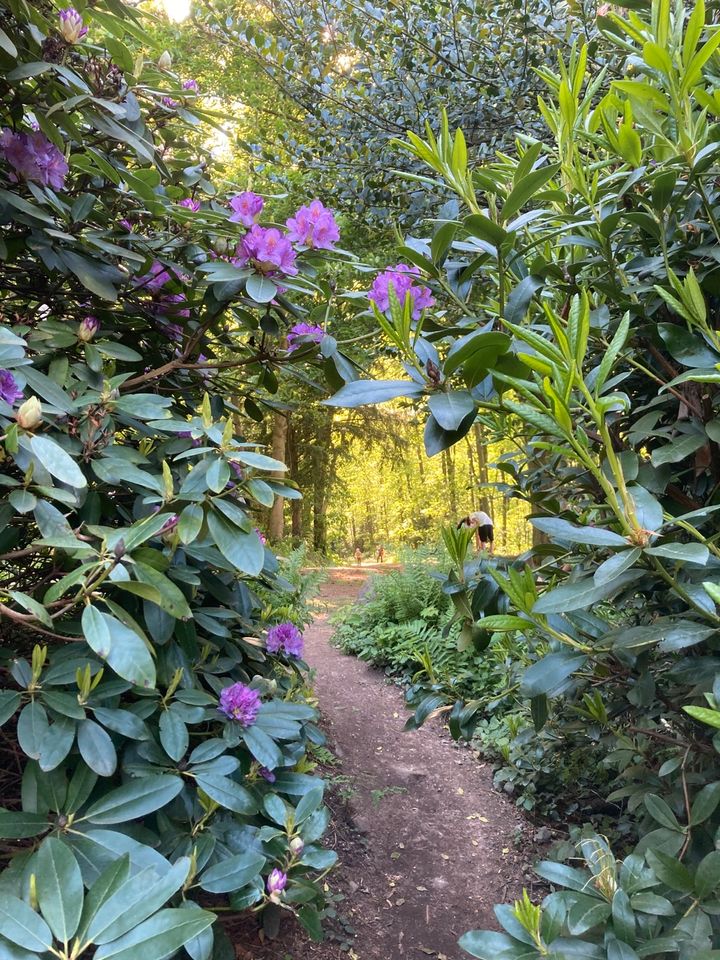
426	846
438	849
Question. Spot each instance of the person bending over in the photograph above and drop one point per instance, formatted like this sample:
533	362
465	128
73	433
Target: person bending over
482	524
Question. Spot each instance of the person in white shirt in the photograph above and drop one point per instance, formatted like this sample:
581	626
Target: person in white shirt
482	524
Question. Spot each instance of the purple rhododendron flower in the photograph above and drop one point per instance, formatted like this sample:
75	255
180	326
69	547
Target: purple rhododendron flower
285	638
168	102
276	882
314	226
261	536
155	279
190	85
126	225
246	208
87	329
239	702
9	390
33	157
401	277
267	774
190	204
309	330
268	250
72	26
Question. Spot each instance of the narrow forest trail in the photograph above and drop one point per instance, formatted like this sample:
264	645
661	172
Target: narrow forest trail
427	847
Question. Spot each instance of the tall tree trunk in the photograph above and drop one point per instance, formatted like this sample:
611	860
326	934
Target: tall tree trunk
296	513
276	525
452	486
324	475
472	477
481	448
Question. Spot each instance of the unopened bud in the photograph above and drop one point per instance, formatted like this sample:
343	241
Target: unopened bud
297	845
165	60
29	414
88	328
71	25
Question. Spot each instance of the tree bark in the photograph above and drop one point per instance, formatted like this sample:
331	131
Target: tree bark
481	448
296	510
276	525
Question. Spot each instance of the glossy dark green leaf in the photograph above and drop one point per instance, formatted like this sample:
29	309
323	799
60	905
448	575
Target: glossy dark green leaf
59	887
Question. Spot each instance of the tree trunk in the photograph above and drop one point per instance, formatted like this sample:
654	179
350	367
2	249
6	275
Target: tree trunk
276	525
482	467
296	515
452	487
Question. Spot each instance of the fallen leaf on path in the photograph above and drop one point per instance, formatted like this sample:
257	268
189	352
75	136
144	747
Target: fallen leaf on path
395	855
477	816
460	791
400	901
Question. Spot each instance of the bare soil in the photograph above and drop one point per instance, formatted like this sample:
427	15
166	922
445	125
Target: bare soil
426	846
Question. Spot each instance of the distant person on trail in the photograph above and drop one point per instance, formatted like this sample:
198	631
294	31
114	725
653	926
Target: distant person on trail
358	555
482	524
380	558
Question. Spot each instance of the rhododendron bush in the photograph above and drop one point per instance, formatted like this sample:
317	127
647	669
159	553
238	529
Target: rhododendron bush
154	728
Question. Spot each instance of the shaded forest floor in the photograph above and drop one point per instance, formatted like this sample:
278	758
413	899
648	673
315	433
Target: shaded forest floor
426	846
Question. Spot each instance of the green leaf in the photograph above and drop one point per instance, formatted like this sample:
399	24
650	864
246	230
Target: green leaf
57	462
489	945
57	744
232	873
704	715
482	348
586	913
173	735
96	748
19	825
705	803
59	887
110	880
501	623
678	450
670	871
159	937
227	793
707	875
21	925
135	799
9	703
243	550
190	523
172	599
558	529
661	812
450	409
549	673
615	565
683	552
32	729
260	289
262	747
137	899
7	45
362	392
120	646
583	594
526	189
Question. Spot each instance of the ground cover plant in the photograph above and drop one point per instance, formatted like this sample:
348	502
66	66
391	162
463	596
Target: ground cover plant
590	262
154	703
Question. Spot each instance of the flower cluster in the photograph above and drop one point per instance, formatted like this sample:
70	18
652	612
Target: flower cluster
266	249
285	638
190	204
191	85
72	26
155	279
33	157
301	333
261	536
246	208
9	390
401	278
239	702
314	226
